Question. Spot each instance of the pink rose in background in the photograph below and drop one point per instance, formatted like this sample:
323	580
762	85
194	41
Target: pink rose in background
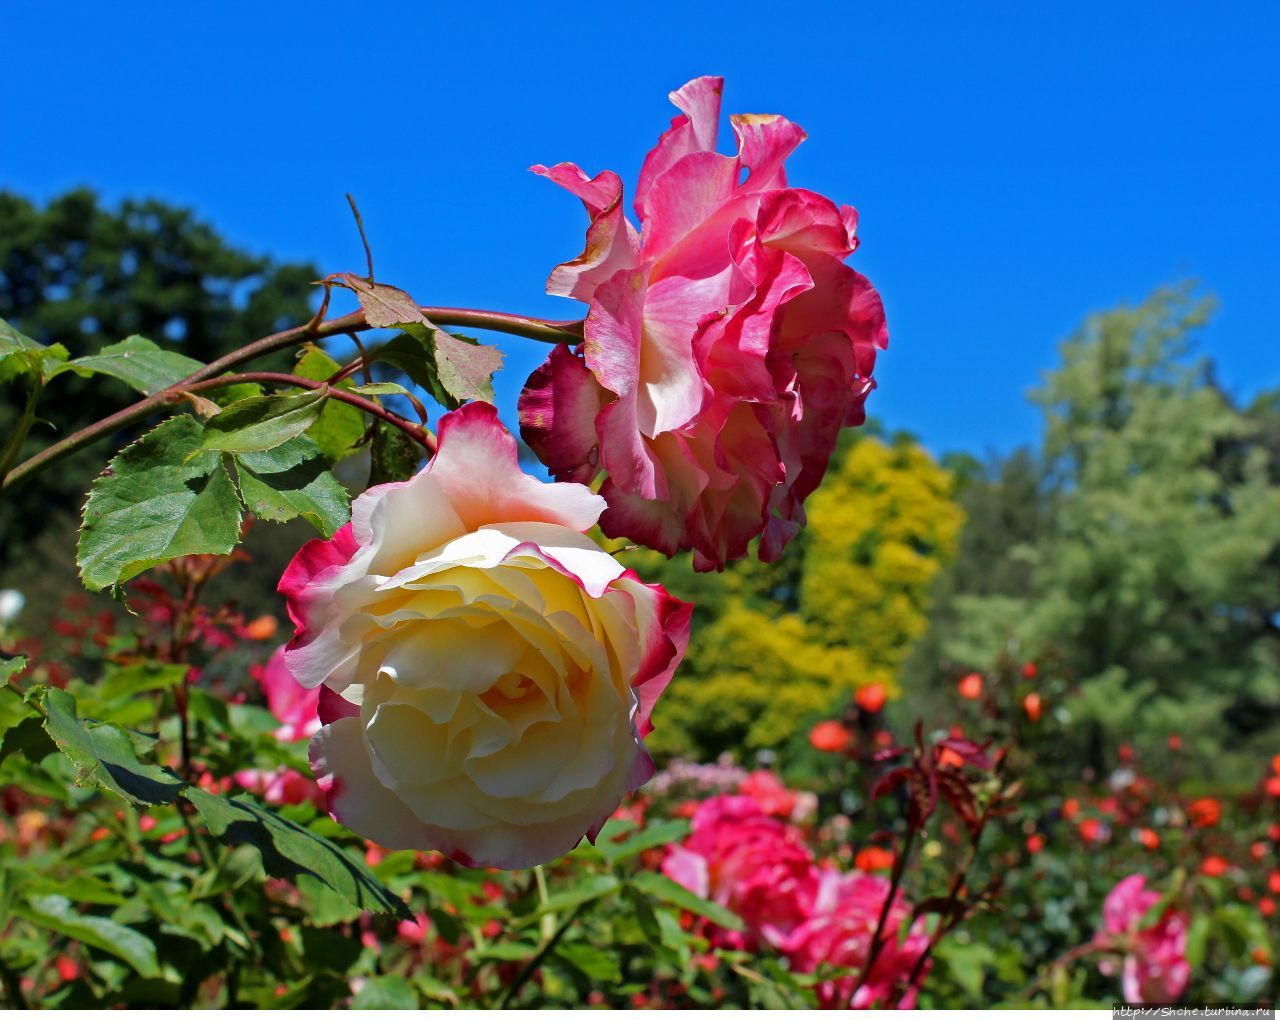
757	866
297	709
282	786
726	343
769	793
838	931
1155	965
295	706
488	670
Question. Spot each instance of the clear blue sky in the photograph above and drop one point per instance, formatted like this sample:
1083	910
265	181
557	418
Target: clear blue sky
1016	165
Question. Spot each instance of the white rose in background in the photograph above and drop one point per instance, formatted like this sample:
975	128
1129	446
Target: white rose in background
489	670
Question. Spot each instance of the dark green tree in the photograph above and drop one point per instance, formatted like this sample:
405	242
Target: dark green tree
81	274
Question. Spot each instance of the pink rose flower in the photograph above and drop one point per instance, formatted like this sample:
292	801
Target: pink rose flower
488	671
281	786
1155	965
757	866
295	706
726	343
839	930
769	793
297	709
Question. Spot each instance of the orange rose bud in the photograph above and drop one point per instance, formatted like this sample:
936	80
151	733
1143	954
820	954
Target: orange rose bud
830	736
1032	705
1070	808
1035	843
1175	742
1149	838
1273	882
970	686
1214	866
1272	786
1091	829
1267	907
950	758
261	629
1275	764
1030	670
1205	812
873	858
870	698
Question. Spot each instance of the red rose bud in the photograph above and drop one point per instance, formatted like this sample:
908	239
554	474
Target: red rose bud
970	686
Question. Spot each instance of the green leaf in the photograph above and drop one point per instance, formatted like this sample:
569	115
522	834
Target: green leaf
1197	940
289	849
20	355
28	738
466	366
161	498
452	369
104	755
137	361
967	963
262	423
388	992
291	481
600	965
659	834
56	913
586	889
383	305
393	455
665	890
12	667
340	427
382	389
139	678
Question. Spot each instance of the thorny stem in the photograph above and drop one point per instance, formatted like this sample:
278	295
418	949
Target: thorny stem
1070	956
878	939
368	252
949	916
517	325
509	993
415	432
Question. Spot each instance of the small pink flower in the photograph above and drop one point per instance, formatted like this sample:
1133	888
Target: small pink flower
726	342
757	866
1155	958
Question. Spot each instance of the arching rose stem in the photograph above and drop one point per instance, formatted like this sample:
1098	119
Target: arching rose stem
500	322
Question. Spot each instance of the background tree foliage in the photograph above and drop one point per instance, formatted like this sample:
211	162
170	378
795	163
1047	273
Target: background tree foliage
776	647
78	273
1138	549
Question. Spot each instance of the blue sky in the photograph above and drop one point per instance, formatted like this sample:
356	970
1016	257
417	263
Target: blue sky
1015	165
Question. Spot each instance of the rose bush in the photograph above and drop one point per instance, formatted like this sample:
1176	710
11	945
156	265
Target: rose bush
488	670
726	344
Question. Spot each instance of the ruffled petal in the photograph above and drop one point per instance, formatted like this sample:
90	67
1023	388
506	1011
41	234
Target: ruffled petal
612	242
355	797
695	130
765	140
558	408
478	468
